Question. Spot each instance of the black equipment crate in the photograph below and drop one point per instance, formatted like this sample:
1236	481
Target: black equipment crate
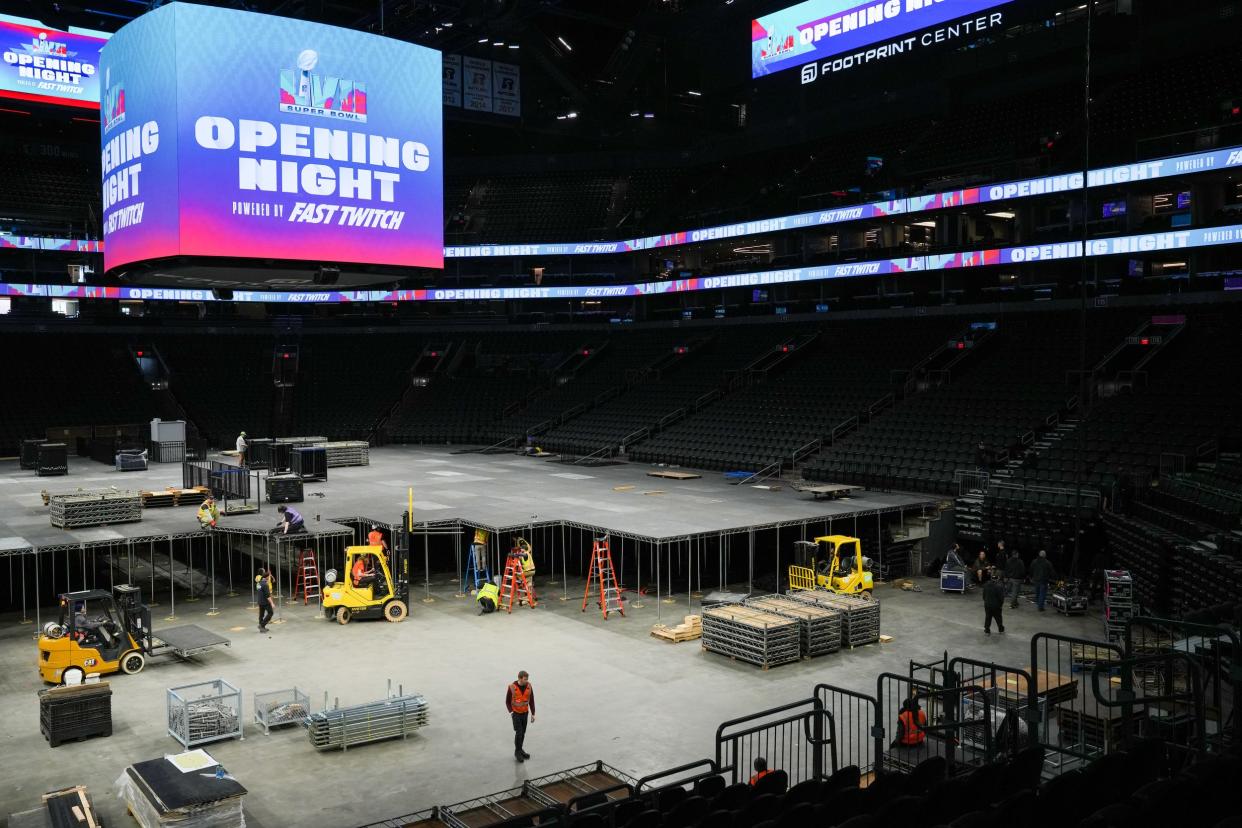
259	453
53	459
67	713
30	454
285	488
310	462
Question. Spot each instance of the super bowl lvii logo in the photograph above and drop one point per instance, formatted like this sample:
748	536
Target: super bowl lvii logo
113	102
305	92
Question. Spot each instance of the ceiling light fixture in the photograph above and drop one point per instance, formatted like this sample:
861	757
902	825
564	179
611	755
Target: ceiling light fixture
563	43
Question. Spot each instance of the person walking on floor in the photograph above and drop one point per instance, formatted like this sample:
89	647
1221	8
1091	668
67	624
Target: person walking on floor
520	700
1015	572
993	606
1042	574
241	449
267	604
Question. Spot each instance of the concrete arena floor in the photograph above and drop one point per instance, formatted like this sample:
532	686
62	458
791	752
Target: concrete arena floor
605	690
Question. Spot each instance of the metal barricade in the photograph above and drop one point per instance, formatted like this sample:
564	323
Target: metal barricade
952	720
1076	729
1215	650
1012	690
795	737
1159	696
854	717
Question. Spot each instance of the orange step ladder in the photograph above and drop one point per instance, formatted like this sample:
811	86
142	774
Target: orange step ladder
514	585
308	577
603	578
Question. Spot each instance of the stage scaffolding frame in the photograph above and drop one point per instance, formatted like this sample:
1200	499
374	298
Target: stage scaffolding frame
685	554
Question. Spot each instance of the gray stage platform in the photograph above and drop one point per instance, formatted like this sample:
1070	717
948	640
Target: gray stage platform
495	491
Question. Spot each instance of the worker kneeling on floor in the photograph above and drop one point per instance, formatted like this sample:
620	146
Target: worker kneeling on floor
488	598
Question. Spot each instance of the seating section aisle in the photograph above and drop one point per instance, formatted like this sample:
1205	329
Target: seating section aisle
224	382
1184	406
69	381
687	379
491	372
1008	388
839	376
347	382
624	359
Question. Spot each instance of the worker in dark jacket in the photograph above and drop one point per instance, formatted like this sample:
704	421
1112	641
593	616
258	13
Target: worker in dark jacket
1042	573
993	605
1015	572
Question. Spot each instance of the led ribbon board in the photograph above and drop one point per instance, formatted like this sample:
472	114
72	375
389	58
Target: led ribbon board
819	29
228	133
47	65
1062	251
1198	162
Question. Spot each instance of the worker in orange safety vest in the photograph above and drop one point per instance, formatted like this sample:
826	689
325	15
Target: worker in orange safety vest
910	723
520	700
761	770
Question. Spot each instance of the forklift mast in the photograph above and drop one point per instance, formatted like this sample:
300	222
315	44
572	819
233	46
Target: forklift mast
401	557
136	615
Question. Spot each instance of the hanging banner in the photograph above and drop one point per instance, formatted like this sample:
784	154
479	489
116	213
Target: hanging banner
452	80
477	89
506	89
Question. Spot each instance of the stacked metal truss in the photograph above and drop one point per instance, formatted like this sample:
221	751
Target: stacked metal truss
345	727
280	707
99	508
205	712
820	626
347	453
752	635
860	617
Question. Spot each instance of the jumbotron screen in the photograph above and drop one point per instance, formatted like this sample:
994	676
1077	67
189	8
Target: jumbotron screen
819	29
232	134
51	66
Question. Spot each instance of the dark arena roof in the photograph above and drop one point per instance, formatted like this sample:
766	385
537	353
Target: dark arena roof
645	295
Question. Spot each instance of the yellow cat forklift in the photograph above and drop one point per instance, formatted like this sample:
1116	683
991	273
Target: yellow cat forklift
831	562
371	586
101	632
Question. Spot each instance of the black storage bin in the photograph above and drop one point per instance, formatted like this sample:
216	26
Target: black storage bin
29	458
284	488
67	713
53	459
259	453
310	463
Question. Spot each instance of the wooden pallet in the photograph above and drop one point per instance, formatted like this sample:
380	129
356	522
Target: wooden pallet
690	629
674	475
174	496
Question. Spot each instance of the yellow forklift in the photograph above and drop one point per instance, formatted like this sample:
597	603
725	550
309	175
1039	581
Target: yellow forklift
99	632
382	592
831	562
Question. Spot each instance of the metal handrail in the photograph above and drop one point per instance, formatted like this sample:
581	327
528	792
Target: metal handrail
762	474
842	428
639	434
671	417
709	397
606	451
712	769
809	448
